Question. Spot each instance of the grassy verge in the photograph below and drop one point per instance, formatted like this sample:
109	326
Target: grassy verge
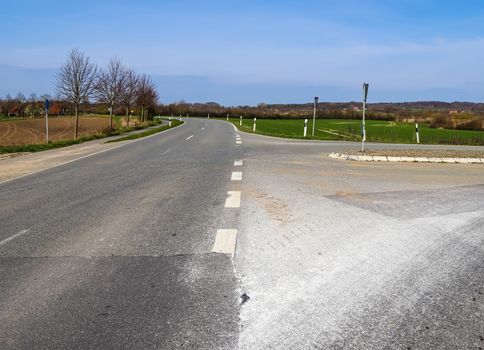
147	132
58	144
350	130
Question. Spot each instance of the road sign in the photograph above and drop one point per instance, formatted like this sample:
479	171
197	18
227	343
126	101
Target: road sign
47	103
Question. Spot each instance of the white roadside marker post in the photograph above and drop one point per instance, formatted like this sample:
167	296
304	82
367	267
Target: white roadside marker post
47	121
255	121
416	130
240	124
305	127
208	117
363	128
227	117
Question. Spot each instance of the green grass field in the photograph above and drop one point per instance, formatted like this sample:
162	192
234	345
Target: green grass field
350	130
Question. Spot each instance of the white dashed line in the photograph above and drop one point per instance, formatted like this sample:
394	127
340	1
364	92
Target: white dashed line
238	163
236	176
202	128
233	199
165	152
189	137
18	234
238	142
225	241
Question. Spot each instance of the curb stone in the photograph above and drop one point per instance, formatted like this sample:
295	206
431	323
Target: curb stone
407	159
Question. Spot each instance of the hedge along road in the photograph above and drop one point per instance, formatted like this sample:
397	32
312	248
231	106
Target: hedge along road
350	130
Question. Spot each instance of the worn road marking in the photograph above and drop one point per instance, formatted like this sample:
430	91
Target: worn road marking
238	163
165	152
189	137
233	199
18	234
236	176
238	142
202	128
225	241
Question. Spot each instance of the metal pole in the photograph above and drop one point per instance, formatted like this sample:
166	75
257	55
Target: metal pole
305	127
363	126
47	125
314	113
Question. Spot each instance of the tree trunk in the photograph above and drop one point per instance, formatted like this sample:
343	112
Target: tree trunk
76	111
111	119
127	116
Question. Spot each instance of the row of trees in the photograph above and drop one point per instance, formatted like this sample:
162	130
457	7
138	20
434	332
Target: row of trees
79	80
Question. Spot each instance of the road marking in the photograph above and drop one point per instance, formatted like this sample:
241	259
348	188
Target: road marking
233	199
189	137
123	143
236	176
238	163
165	152
202	128
18	234
225	241
238	142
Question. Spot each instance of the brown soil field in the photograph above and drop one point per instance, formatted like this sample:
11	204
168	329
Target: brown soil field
30	131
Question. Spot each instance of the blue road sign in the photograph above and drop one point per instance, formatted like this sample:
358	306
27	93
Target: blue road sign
47	103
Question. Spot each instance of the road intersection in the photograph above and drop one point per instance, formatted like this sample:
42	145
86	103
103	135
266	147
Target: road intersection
202	237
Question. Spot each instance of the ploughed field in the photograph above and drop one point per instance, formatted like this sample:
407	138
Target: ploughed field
350	130
32	131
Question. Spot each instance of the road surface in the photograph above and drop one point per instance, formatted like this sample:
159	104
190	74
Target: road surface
116	250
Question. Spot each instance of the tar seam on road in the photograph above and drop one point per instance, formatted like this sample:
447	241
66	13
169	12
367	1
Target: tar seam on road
92	154
18	234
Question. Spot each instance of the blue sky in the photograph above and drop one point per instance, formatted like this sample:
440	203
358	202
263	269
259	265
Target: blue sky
246	52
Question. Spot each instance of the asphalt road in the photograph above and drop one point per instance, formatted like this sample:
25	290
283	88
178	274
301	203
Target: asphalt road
115	250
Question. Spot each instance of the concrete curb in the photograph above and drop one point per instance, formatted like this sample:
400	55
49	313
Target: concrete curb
406	159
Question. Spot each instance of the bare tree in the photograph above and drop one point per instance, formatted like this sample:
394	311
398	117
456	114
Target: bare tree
20	100
75	81
146	96
130	90
110	85
33	104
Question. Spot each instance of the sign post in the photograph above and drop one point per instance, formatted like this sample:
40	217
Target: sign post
314	114
363	126
47	103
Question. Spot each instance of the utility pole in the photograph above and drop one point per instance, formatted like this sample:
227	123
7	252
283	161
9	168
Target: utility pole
314	113
363	126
